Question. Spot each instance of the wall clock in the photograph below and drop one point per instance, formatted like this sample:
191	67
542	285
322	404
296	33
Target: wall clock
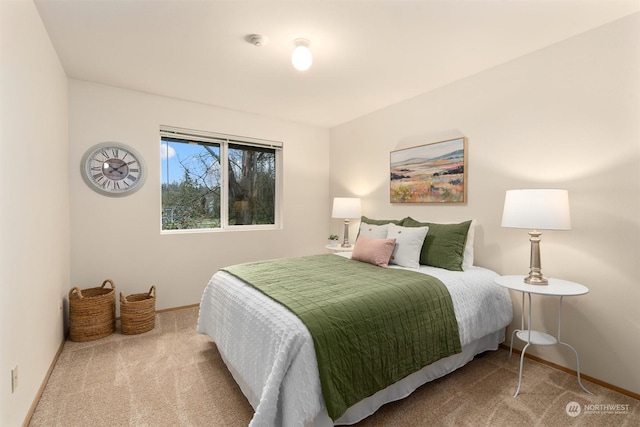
113	169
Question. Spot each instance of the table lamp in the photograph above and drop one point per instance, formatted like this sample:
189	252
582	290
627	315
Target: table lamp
346	207
536	209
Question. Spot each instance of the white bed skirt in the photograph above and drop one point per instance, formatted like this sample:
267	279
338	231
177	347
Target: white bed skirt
402	388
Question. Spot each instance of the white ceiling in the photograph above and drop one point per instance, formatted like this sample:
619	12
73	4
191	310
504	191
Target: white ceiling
367	54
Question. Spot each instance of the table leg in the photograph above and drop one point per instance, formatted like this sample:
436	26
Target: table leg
517	330
520	374
512	337
528	341
577	365
573	349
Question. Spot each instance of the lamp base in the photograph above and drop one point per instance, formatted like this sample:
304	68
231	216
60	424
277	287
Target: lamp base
535	276
536	280
345	242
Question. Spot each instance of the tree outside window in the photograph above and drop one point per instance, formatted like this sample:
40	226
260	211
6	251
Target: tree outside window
252	178
199	193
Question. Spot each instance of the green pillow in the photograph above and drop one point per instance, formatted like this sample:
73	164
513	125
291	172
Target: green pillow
383	221
444	245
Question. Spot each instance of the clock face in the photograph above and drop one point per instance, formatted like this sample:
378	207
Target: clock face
113	169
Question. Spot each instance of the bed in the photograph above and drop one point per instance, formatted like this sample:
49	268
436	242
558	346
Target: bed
271	354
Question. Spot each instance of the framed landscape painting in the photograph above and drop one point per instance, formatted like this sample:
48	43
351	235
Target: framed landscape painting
431	173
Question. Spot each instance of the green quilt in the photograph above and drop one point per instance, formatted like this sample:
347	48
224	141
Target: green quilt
370	326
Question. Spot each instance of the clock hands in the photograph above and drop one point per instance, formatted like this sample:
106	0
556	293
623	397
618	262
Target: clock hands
116	169
108	166
125	164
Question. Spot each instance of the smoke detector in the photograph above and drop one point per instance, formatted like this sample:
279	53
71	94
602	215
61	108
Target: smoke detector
257	40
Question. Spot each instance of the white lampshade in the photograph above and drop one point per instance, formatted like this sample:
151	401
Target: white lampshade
346	207
537	209
301	57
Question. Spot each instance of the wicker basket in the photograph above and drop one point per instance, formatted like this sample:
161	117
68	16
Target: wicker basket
92	312
138	312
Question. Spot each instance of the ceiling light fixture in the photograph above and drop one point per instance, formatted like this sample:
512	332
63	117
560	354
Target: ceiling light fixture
301	57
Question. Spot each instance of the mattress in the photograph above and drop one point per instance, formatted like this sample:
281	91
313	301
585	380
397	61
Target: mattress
270	352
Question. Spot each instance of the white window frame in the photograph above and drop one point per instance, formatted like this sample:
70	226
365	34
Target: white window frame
224	140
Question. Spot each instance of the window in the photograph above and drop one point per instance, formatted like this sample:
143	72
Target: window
214	181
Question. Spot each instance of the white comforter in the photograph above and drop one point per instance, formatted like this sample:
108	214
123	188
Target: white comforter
270	352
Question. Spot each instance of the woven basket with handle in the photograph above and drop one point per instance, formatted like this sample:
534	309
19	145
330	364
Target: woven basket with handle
138	312
92	312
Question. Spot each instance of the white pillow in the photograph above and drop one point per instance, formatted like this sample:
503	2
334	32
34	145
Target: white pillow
467	257
373	231
409	241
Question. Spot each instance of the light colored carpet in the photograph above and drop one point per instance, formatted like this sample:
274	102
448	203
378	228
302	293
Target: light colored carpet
171	376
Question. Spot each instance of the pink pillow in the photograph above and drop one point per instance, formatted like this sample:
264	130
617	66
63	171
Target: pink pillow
373	251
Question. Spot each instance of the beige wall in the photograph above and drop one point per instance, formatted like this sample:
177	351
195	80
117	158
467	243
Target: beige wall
572	108
119	238
566	116
34	219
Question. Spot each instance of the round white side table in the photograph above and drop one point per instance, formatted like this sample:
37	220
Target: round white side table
556	287
339	248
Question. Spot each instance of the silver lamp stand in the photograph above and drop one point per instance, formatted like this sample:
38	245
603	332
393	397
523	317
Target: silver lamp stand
535	273
345	242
